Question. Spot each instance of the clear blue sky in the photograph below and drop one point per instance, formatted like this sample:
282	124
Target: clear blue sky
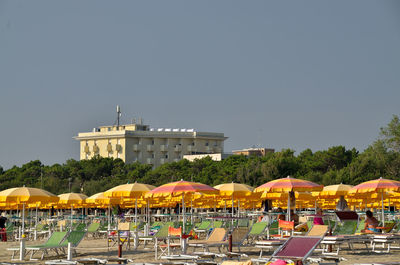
283	74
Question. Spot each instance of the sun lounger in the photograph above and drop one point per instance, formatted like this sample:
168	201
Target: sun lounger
257	231
383	240
93	229
318	230
162	233
295	249
344	233
216	238
53	243
202	227
54	240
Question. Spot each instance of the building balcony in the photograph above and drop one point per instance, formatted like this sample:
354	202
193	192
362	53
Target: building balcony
150	161
109	148
217	149
191	148
150	148
176	160
96	149
164	148
178	148
136	147
118	147
209	149
86	149
163	160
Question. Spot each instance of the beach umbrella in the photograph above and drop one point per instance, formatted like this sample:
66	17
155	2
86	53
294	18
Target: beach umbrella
70	200
135	190
334	191
234	190
24	196
288	185
100	199
180	189
380	185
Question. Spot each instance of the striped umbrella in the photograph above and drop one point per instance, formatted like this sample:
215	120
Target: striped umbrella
288	185
376	186
180	188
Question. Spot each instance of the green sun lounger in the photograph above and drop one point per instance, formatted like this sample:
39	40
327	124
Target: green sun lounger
53	243
257	230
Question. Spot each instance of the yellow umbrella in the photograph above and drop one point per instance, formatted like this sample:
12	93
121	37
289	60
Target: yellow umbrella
234	190
71	199
334	191
99	198
135	190
25	195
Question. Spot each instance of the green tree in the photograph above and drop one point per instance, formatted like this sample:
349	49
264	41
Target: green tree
390	134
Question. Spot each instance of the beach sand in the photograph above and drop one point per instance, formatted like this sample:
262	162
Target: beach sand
97	248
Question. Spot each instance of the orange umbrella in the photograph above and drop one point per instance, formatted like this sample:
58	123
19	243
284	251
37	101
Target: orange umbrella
181	188
378	185
288	185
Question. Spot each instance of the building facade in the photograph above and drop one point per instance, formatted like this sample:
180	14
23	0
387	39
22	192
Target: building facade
139	143
253	151
215	157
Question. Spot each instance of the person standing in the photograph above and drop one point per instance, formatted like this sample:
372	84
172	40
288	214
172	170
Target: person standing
3	230
342	204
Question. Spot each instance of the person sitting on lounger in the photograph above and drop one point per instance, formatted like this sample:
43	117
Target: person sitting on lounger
371	223
318	218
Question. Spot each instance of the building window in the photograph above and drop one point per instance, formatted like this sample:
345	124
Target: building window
207	144
152	142
166	156
152	155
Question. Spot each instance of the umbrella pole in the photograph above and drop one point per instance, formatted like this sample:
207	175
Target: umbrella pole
23	220
183	213
72	209
191	210
288	208
36	221
215	205
109	218
136	211
383	212
238	209
233	210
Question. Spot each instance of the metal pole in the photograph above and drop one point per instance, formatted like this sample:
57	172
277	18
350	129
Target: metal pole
383	211
288	208
233	210
183	213
136	211
72	208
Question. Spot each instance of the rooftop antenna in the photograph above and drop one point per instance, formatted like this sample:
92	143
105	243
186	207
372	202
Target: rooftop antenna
118	114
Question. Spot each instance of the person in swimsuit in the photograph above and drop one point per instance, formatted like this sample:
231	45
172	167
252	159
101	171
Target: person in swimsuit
371	223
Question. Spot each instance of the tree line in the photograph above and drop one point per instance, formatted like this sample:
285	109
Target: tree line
332	166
